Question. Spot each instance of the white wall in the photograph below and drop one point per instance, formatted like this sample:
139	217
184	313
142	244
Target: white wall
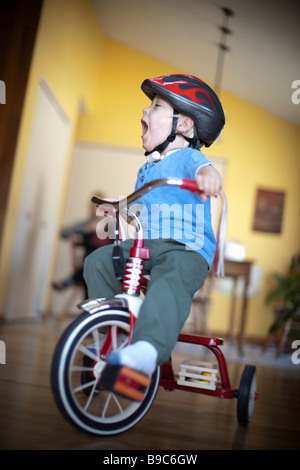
39	206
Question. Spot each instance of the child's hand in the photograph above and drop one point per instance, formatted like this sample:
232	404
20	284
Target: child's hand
209	181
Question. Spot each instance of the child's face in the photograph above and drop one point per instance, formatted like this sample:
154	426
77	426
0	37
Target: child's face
156	123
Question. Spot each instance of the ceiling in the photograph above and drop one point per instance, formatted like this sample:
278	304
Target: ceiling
264	56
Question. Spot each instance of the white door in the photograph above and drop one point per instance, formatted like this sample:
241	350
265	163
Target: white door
38	210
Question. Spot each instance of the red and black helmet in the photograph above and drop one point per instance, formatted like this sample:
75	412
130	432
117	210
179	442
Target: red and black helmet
192	97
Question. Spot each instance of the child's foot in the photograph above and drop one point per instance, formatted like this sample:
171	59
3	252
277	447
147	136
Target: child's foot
125	381
128	371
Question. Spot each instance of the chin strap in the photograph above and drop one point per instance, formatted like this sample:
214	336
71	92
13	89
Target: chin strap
194	142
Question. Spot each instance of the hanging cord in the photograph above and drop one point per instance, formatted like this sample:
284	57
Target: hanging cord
221	238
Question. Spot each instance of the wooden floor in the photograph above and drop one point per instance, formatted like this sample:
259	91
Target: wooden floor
177	420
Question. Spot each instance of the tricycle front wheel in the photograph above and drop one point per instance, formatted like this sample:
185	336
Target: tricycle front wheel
76	369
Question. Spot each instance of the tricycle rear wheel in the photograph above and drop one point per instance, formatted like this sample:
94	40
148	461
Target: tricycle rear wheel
246	395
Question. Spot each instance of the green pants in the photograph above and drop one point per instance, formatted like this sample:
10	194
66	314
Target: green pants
176	273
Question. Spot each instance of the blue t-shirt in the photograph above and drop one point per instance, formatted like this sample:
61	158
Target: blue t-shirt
171	212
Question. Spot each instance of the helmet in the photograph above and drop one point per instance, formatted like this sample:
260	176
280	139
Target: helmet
192	97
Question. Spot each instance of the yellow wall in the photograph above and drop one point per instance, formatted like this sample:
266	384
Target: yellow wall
120	100
260	149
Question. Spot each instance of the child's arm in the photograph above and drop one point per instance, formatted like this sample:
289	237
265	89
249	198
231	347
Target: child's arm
209	181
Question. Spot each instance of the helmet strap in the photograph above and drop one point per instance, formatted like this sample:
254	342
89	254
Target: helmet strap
194	142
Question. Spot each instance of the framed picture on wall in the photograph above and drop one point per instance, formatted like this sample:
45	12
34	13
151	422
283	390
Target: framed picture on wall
269	208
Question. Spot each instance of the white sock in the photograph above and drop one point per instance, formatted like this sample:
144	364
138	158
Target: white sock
141	356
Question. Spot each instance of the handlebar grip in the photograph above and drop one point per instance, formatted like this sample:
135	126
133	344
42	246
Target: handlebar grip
190	185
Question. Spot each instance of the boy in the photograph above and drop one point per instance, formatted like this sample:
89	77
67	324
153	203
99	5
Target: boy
184	115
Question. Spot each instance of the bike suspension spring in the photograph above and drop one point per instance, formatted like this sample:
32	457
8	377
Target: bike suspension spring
133	276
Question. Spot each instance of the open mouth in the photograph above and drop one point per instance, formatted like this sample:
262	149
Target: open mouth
144	127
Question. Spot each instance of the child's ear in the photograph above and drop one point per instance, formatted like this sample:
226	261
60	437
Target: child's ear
185	123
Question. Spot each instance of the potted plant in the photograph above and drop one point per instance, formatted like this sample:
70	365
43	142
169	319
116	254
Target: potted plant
287	292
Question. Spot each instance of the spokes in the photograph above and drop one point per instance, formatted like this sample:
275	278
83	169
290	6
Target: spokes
88	352
111	396
90	397
82	387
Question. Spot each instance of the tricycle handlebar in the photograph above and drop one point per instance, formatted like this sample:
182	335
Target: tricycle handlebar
179	182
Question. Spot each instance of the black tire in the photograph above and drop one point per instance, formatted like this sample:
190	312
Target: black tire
78	397
246	395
